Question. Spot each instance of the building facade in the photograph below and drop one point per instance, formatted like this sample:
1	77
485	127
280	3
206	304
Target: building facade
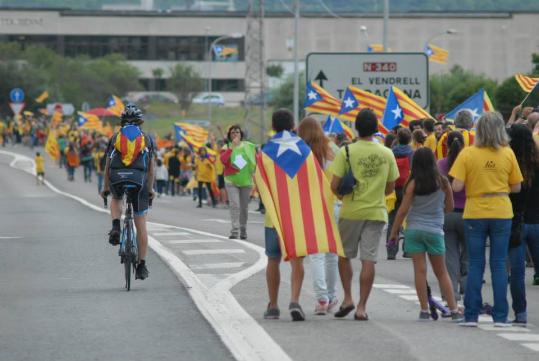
495	44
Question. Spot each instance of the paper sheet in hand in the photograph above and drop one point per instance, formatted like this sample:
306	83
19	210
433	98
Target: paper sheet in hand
240	162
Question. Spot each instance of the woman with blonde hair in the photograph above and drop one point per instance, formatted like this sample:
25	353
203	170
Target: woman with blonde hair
489	171
324	265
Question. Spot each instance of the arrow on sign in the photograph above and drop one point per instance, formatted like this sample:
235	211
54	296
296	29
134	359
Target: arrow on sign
321	77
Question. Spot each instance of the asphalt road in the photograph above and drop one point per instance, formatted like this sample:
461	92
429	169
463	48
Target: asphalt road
62	295
391	334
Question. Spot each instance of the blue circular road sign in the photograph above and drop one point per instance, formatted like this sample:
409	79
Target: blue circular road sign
16	95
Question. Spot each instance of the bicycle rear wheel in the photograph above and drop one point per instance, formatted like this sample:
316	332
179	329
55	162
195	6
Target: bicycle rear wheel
128	257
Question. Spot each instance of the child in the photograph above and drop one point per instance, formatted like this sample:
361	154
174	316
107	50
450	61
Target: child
161	176
40	168
427	195
205	175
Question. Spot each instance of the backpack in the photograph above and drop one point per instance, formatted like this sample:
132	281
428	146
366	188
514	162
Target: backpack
403	164
131	148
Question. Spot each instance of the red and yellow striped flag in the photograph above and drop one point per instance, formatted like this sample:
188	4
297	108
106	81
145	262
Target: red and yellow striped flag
363	99
526	83
436	54
115	105
51	146
318	100
410	109
297	197
195	132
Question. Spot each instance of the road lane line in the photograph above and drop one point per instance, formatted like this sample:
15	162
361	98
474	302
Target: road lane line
497	329
531	346
202	252
223	265
400	291
519	336
244	337
382	285
409	297
10	237
191	241
218	220
157	234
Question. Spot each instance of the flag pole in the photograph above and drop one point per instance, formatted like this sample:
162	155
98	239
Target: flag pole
386	23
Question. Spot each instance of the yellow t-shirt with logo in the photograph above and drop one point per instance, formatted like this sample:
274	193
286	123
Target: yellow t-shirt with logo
484	171
40	164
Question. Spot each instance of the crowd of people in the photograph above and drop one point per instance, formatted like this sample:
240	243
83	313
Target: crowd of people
442	189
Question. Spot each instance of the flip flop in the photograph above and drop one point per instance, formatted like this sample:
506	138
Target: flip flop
364	317
344	311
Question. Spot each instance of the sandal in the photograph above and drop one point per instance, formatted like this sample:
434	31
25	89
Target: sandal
364	317
344	311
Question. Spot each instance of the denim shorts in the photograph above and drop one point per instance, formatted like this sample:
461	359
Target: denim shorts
273	249
417	241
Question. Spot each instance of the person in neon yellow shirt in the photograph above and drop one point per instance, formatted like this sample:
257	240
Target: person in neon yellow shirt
489	171
40	168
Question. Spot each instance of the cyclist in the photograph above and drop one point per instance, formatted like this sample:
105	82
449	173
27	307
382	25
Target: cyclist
130	149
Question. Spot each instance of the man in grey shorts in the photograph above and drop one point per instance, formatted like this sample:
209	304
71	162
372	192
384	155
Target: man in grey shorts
363	217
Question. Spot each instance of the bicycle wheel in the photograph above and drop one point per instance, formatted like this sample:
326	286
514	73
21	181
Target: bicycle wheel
128	257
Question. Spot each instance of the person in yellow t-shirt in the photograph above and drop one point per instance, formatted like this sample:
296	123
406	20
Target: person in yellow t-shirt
430	141
489	171
40	168
2	133
204	174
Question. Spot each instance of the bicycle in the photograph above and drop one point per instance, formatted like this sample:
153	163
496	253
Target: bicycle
128	250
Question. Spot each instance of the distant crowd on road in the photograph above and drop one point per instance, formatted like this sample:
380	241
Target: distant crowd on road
445	190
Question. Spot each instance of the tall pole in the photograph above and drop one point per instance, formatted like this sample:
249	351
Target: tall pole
262	74
206	88
296	70
209	80
386	23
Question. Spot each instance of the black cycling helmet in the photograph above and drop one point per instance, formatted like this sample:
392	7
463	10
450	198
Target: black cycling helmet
132	114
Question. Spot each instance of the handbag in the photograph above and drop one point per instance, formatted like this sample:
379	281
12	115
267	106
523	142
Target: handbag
348	182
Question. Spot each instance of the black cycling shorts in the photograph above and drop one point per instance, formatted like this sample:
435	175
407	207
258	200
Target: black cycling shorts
139	196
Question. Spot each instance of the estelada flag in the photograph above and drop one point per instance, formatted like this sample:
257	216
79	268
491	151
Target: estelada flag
130	143
297	197
318	100
51	146
115	105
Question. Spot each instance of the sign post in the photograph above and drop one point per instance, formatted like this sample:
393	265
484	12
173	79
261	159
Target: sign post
373	72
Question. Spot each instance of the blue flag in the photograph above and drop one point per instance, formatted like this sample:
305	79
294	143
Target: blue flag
333	126
349	102
474	104
393	114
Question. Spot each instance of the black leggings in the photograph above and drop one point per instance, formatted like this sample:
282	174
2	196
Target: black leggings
208	186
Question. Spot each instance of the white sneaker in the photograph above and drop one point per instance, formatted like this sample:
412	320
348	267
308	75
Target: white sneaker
502	324
321	308
468	324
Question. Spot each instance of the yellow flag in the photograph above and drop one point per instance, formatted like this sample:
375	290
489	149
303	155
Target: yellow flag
51	147
56	119
42	97
436	54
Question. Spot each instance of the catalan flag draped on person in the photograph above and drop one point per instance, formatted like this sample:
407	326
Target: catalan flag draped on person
296	195
130	143
319	100
436	54
51	146
526	83
477	104
401	110
336	126
355	99
115	105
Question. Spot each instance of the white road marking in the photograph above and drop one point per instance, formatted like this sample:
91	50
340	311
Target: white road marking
218	220
9	237
207	266
382	285
401	291
200	252
243	336
509	329
519	336
192	241
531	346
409	297
157	234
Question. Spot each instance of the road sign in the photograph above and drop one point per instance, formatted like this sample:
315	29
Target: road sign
16	95
16	108
374	72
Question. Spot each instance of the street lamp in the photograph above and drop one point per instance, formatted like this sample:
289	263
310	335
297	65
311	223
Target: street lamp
213	43
365	33
445	32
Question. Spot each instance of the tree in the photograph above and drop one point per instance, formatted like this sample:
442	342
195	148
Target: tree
185	82
275	70
535	61
284	94
450	89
